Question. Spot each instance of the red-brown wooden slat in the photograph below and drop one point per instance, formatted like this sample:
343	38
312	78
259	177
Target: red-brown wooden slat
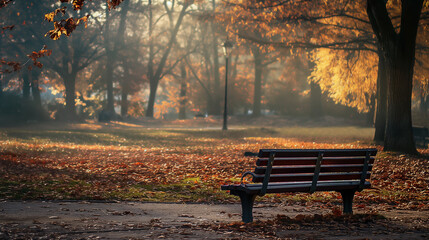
310	169
315	152
312	161
309	177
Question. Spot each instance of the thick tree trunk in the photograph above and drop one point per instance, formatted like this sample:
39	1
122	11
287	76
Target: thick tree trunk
380	115
151	102
70	92
399	52
398	136
316	109
257	91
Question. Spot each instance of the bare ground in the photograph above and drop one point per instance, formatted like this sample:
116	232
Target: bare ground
135	220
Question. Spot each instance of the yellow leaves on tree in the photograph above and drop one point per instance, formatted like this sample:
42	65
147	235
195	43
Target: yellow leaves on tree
50	16
65	26
348	77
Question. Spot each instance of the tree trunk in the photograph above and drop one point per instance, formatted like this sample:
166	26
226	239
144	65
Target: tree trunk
380	115
371	112
154	78
1	89
110	106
257	91
398	136
424	106
216	83
215	49
70	92
110	61
26	87
35	91
424	103
316	110
124	103
125	88
399	52
152	95
183	89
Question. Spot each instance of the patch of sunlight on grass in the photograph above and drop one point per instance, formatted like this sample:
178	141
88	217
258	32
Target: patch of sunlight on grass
348	132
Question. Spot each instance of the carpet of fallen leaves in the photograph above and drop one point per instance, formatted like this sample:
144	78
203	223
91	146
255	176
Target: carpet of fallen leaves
130	163
331	226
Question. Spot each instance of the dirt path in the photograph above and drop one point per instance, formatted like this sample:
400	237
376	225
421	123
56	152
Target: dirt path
133	220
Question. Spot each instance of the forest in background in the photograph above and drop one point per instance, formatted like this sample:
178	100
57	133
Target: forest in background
163	59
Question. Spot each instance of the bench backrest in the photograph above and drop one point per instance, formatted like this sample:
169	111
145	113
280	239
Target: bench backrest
310	165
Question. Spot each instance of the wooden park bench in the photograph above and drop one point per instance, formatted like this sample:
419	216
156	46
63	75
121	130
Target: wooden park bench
421	136
306	170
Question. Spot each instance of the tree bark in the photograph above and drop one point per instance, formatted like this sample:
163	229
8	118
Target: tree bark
316	110
215	49
380	115
399	52
124	103
257	91
110	58
1	89
26	87
35	91
125	87
371	111
70	92
183	90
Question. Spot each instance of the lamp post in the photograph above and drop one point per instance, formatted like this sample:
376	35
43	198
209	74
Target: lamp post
227	47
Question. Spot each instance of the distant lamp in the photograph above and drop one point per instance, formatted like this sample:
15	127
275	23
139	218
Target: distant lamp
227	48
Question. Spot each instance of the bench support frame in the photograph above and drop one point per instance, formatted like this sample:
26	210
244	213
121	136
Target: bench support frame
348	196
247	201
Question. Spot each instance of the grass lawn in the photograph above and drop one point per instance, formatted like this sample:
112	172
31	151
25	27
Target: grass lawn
175	164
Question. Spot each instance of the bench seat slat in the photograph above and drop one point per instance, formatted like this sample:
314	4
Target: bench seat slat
309	177
296	186
310	169
315	152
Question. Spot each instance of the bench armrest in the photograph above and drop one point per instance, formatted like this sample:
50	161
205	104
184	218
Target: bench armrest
316	172
364	172
267	174
245	174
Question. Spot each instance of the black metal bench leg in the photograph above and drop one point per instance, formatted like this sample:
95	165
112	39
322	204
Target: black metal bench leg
246	206
348	201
